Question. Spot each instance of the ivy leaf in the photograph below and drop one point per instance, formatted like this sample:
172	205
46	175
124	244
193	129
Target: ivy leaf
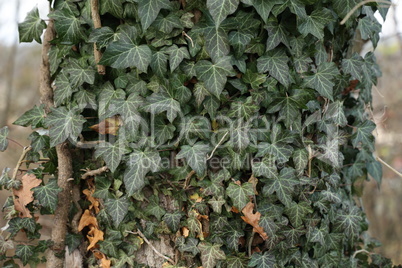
188	246
349	222
217	203
3	138
369	29
153	208
266	260
176	56
243	109
240	194
162	102
64	124
173	220
236	261
220	9
111	153
106	96
331	153
68	26
79	73
276	34
63	90
353	66
33	117
159	63
275	62
32	27
364	134
336	114
113	7
314	23
322	79
264	7
166	24
210	254
24	252
102	36
300	159
117	209
123	55
47	194
163	131
342	7
216	40
266	167
102	186
214	75
296	212
148	10
283	186
374	168
196	156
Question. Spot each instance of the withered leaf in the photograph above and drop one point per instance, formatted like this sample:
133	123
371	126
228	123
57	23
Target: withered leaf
253	219
87	220
24	195
108	126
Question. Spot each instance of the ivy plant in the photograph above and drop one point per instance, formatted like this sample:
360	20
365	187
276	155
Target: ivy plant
230	133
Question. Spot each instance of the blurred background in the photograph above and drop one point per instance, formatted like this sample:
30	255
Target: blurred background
19	83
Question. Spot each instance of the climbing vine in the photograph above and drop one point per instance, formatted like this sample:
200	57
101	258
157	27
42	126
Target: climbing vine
217	133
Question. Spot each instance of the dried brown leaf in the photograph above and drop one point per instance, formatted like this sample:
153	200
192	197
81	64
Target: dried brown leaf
253	219
108	126
24	195
87	220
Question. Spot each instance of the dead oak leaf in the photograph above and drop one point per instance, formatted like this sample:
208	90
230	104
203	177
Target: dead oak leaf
24	195
108	126
87	220
94	236
253	219
94	201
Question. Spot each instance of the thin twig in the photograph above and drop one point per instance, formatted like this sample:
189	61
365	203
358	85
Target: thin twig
91	173
388	166
153	248
216	147
188	177
19	163
250	243
97	24
360	251
362	3
186	35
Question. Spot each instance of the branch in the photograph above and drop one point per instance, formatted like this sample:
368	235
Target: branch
216	147
19	163
388	166
153	248
91	173
97	24
362	3
360	251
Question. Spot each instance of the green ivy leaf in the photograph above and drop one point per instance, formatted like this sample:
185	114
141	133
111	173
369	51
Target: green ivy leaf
124	55
33	117
64	90
176	56
32	27
243	109
314	23
276	34
300	159
353	66
148	10
216	40
349	222
369	29
240	194
73	241
117	209
79	73
265	260
111	153
363	134
159	63
297	212
264	8
24	252
154	208
173	220
140	163
236	261
68	26
210	254
64	124
220	9
162	102
102	186
322	79
374	168
188	246
283	186
342	7
163	131
196	156
336	114
5	245
108	95
275	62
47	194
214	75
266	167
3	138
217	203
166	24
114	7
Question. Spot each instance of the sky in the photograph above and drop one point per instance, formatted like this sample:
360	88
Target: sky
8	22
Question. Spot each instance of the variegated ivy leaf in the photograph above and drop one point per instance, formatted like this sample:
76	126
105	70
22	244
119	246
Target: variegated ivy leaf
148	10
32	27
322	80
214	75
68	26
64	124
220	9
275	62
3	138
111	153
349	222
210	254
162	102
117	209
33	117
47	194
363	135
195	156
283	186
24	252
240	194
243	109
297	212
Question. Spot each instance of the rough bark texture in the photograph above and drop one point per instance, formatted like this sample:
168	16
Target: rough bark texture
97	24
55	256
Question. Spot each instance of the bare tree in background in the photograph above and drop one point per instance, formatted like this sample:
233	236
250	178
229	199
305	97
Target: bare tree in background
8	72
